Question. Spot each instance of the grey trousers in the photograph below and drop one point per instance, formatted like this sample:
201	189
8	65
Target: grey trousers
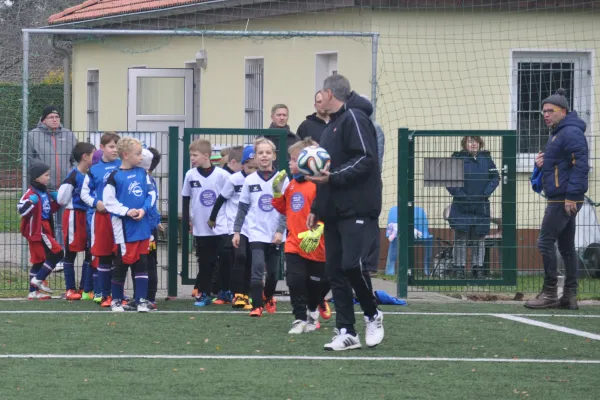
468	240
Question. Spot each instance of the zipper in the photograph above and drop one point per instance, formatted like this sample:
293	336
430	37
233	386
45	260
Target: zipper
556	176
57	167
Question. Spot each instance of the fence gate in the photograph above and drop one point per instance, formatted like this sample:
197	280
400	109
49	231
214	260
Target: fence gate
220	139
456	209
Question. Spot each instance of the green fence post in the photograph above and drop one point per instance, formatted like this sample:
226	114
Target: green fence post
509	208
403	208
173	219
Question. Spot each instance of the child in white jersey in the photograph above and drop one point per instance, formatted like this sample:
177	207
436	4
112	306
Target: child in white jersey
266	227
201	187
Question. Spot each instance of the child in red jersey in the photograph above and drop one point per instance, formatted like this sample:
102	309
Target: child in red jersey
305	258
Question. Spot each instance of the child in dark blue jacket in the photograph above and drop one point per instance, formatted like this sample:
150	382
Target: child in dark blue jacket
470	210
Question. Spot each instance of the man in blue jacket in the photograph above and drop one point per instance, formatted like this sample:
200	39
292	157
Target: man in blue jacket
565	170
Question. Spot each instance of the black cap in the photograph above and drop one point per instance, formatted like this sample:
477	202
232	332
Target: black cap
37	169
558	99
49	110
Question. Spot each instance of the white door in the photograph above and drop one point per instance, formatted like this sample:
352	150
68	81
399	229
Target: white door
159	98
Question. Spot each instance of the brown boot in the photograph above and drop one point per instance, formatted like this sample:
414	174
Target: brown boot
548	298
568	300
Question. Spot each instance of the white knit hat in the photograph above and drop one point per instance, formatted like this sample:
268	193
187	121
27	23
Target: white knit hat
147	157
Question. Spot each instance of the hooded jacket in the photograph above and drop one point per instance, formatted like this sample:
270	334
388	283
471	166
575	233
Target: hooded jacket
31	214
53	148
565	170
312	127
354	187
290	139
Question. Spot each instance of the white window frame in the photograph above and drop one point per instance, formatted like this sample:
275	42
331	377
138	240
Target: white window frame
246	94
92	113
583	96
330	70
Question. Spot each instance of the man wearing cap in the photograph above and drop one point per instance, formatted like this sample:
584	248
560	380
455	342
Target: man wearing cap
52	144
565	169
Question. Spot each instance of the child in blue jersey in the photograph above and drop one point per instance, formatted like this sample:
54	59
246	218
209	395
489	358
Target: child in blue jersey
102	243
75	221
150	160
129	196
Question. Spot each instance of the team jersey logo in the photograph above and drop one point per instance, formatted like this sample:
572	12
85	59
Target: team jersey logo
195	184
264	203
237	188
255	188
297	201
208	198
46	206
135	189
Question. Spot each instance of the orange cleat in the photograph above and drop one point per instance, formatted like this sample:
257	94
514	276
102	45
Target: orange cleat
324	310
257	312
72	295
195	293
106	301
271	305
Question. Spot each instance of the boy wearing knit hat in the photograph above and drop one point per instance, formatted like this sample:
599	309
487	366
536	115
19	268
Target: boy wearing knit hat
36	208
565	170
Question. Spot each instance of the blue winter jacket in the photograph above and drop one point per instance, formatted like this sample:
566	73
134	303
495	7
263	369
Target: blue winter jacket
470	203
565	169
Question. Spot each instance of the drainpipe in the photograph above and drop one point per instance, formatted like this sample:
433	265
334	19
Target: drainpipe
66	117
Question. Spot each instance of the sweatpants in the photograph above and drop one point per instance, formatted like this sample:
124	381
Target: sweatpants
242	266
468	240
207	248
222	276
348	246
263	255
558	226
304	278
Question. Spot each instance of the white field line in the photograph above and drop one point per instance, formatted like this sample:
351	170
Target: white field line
288	358
553	327
243	313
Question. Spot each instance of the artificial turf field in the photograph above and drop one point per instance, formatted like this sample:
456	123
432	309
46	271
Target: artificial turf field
75	350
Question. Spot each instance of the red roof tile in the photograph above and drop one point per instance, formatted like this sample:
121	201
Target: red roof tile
92	9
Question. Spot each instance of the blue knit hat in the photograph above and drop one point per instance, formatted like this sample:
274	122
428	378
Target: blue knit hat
248	154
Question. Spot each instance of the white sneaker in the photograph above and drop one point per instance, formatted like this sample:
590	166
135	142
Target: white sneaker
298	327
374	329
59	266
37	295
343	341
142	306
117	306
312	322
40	285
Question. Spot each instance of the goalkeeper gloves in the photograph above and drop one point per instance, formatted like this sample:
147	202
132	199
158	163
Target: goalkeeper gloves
311	238
278	184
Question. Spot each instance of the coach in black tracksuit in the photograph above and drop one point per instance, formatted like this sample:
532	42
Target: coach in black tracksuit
349	200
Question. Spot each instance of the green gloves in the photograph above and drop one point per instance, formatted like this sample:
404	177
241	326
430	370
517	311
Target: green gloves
278	184
311	238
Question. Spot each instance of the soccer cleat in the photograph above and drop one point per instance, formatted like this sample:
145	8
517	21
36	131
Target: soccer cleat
374	329
152	306
224	297
312	322
116	306
343	341
271	305
107	302
37	295
97	298
42	285
87	296
203	301
239	301
60	266
195	293
298	327
142	306
324	310
80	291
72	295
256	312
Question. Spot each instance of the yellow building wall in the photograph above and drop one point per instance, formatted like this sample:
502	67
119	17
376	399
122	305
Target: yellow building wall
441	70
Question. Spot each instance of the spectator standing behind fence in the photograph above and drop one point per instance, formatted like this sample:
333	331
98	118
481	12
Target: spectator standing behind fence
51	143
279	117
565	170
470	210
315	123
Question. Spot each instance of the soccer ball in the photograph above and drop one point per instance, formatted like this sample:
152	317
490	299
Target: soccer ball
313	160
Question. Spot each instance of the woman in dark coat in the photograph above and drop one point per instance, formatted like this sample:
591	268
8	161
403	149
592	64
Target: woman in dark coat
470	210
